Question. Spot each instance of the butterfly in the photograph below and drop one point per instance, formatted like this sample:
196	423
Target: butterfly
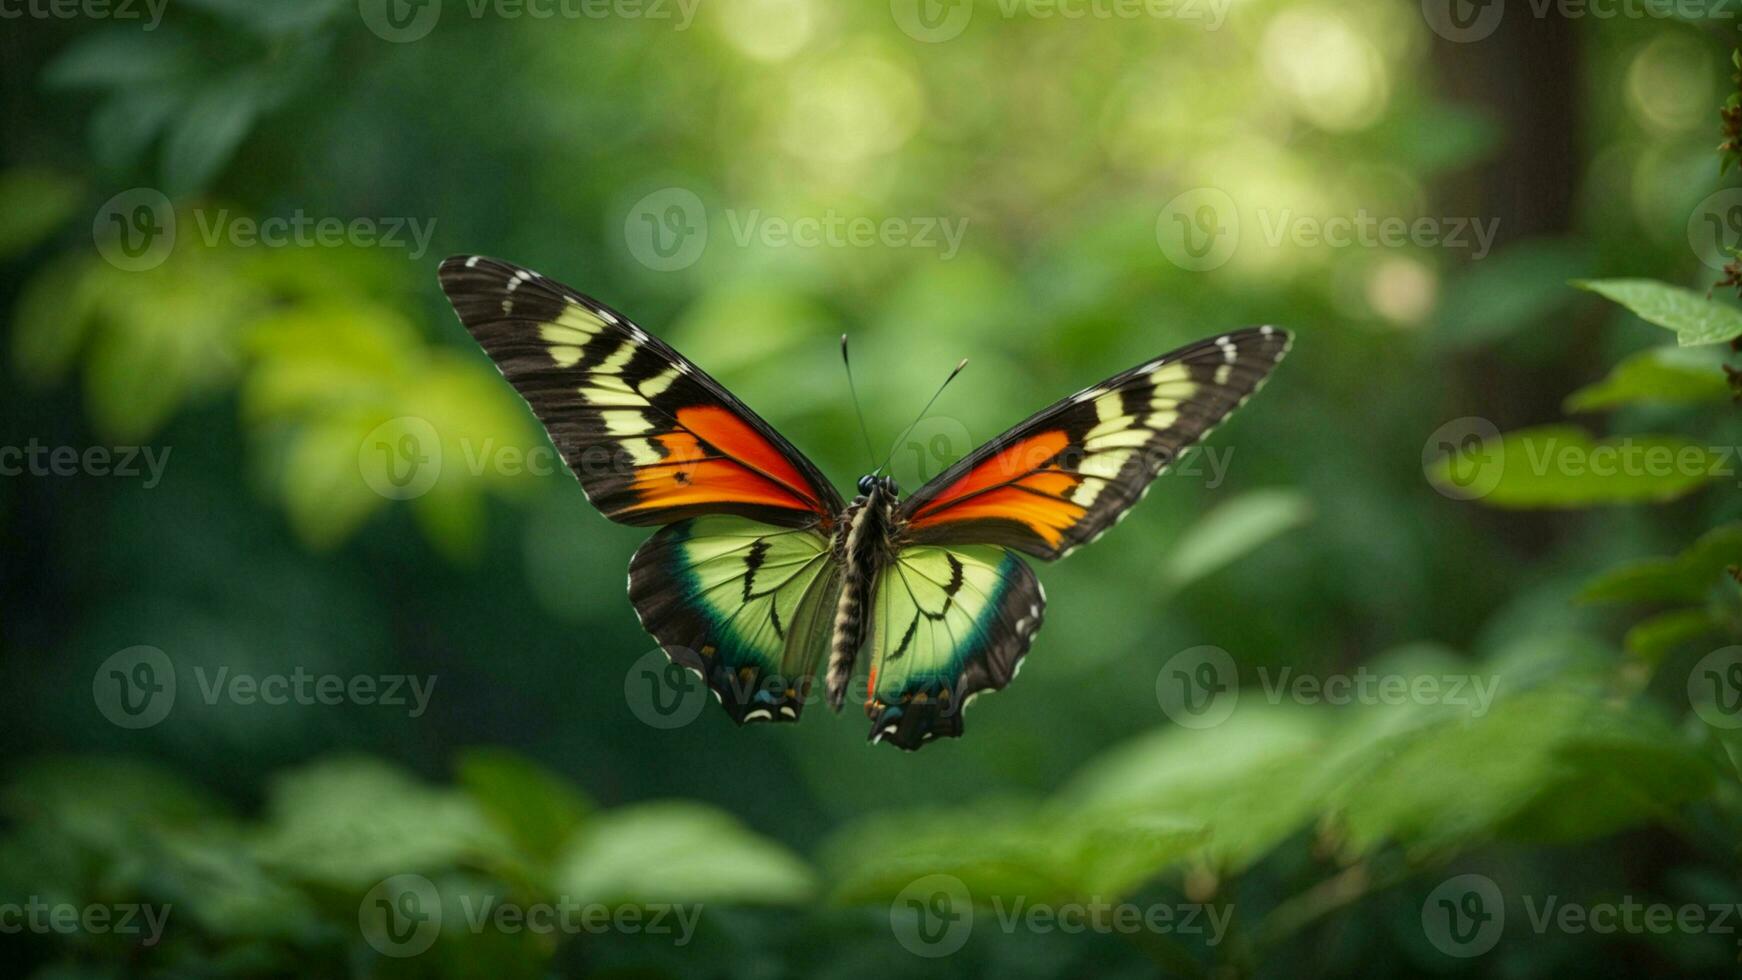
759	567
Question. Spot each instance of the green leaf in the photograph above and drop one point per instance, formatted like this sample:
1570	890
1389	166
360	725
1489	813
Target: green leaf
1652	639
1562	467
33	203
122	58
352	821
1688	577
678	851
1508	291
1249	782
1233	530
129	119
1055	853
206	135
1664	375
104	803
537	809
1509	773
1694	318
1621	768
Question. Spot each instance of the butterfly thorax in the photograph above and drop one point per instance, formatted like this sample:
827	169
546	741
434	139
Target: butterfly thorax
863	543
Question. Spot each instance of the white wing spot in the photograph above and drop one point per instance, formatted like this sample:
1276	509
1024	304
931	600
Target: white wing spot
472	263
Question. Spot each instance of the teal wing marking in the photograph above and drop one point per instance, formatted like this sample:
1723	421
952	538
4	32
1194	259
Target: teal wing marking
746	605
947	623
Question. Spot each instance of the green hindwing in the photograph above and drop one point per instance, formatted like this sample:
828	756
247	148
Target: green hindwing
745	605
947	623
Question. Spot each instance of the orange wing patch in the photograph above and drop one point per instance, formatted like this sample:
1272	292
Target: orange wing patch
1017	483
734	437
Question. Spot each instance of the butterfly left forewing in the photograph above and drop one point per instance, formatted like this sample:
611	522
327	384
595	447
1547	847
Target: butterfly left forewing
651	437
1070	471
947	624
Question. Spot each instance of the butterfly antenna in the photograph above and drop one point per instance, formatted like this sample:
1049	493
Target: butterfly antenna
921	417
870	451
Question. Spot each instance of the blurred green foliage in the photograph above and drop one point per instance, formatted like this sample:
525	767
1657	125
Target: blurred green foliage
1306	541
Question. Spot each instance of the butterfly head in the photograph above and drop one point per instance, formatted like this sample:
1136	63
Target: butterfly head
871	485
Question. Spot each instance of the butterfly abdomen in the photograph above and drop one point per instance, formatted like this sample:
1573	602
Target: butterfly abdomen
859	541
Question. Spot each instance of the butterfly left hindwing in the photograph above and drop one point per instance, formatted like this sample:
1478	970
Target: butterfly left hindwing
744	605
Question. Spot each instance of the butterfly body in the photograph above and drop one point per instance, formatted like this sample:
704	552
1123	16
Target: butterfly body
865	544
759	568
